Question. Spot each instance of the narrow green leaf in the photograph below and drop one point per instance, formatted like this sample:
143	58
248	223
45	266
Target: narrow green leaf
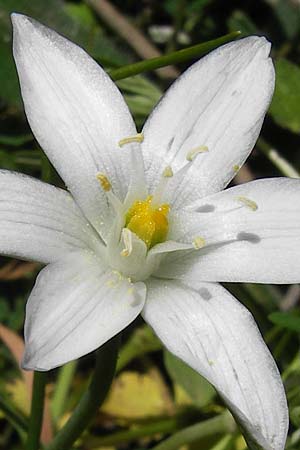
141	95
288	320
172	58
241	21
288	16
12	415
142	341
164	425
226	443
282	164
267	296
198	389
15	141
212	427
295	417
285	107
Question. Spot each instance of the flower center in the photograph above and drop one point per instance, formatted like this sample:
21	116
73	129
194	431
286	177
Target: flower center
148	222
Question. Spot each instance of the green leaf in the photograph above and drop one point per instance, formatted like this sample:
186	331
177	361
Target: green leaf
9	87
239	20
267	296
15	141
295	416
288	320
288	16
81	13
177	57
142	341
22	160
13	416
141	95
199	390
285	107
171	6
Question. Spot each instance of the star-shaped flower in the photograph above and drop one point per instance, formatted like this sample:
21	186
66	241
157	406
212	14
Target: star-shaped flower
145	227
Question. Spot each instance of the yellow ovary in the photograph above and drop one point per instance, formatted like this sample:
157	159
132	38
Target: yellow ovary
148	222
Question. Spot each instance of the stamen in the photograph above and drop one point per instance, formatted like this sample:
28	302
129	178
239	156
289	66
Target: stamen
158	193
195	151
106	186
247	202
104	181
139	137
168	172
190	156
127	239
199	242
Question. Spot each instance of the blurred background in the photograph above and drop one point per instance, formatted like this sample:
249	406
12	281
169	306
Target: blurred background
154	394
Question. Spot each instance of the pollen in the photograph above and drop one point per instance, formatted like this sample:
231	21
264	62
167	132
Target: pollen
195	151
139	137
104	181
199	242
148	222
247	202
168	172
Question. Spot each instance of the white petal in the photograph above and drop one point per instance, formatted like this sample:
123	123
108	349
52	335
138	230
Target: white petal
76	113
212	332
220	102
168	247
261	246
40	222
75	307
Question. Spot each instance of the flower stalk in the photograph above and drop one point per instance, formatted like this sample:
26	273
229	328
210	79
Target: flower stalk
65	378
106	358
37	409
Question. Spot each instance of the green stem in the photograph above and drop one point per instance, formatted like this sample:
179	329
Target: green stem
106	358
223	423
171	58
62	388
284	166
37	410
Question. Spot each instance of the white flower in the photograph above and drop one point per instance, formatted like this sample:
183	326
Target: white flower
145	227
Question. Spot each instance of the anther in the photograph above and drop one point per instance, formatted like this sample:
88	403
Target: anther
168	172
247	202
103	180
139	137
195	151
127	239
199	242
